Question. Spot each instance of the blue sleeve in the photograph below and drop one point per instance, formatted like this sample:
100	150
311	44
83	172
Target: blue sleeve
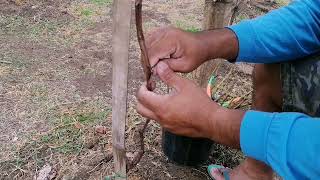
287	142
284	34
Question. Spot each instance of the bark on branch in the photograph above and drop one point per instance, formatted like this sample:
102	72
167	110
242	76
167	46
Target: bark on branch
147	72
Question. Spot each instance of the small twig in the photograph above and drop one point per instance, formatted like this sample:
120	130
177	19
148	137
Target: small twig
147	72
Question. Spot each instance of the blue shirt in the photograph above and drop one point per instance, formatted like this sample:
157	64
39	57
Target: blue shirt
288	142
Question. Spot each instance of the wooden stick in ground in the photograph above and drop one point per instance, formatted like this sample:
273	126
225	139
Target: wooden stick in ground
120	56
147	71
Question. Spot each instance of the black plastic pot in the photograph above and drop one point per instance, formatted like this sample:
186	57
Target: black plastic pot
185	150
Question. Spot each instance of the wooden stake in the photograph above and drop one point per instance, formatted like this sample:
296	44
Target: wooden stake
120	55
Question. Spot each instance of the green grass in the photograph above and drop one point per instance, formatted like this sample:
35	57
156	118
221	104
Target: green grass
51	31
24	27
94	8
193	29
87	12
66	139
15	61
101	2
185	26
68	136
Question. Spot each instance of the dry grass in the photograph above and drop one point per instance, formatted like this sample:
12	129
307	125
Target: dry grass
71	137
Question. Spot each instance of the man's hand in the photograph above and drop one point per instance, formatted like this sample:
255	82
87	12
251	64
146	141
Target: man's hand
186	111
185	51
182	51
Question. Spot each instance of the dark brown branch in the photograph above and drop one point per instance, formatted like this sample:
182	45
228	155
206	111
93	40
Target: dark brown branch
147	72
144	55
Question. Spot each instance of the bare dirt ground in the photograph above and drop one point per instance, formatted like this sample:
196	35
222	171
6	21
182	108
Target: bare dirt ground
55	87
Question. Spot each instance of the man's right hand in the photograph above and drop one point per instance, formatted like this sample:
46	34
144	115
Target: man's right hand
185	51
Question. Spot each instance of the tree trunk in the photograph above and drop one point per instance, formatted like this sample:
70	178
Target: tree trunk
217	14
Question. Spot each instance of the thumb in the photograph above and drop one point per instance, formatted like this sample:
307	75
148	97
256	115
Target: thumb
168	76
178	64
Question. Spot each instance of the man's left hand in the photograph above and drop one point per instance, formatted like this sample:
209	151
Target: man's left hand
187	110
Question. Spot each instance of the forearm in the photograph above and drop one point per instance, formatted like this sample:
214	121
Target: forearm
219	43
225	126
285	34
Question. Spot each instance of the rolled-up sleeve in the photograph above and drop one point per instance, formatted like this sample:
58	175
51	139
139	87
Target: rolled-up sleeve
284	34
288	142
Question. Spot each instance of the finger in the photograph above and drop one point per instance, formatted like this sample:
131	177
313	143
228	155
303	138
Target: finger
149	99
169	77
178	65
151	39
145	112
162	49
